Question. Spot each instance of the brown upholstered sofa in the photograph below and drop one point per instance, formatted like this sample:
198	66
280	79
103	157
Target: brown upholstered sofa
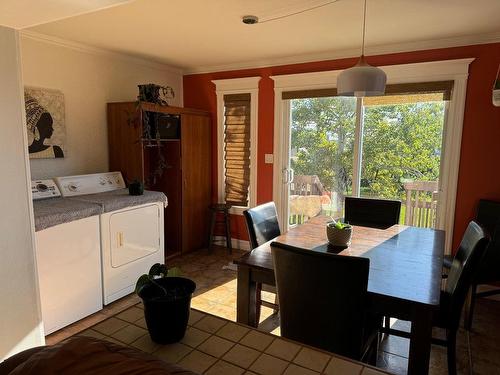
85	355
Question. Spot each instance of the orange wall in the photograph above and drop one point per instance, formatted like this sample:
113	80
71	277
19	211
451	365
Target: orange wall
479	175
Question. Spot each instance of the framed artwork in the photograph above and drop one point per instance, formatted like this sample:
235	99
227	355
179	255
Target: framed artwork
45	122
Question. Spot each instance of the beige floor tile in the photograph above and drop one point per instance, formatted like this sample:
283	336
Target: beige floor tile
194	337
172	352
216	346
131	315
91	333
268	365
312	359
257	340
297	370
339	366
194	316
283	349
141	323
110	326
224	368
210	324
233	332
241	355
114	341
129	334
197	361
145	344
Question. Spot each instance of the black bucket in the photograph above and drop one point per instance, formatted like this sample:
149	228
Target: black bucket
167	314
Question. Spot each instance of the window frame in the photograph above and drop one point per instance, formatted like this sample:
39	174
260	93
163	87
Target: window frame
247	85
447	70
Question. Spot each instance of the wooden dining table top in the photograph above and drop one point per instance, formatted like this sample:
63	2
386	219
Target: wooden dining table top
405	262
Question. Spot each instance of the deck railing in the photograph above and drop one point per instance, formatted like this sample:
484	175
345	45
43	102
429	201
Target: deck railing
421	203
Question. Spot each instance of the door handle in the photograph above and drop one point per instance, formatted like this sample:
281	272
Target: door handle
120	239
285	176
292	175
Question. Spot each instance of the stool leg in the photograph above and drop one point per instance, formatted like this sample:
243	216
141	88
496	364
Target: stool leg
228	231
212	226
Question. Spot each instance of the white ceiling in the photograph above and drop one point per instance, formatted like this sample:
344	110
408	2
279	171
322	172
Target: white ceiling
201	35
25	13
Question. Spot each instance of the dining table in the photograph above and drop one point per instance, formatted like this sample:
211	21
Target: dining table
404	279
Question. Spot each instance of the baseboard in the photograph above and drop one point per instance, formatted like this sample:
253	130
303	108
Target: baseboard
235	243
485	288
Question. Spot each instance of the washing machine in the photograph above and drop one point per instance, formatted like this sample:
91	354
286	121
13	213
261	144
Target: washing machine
131	228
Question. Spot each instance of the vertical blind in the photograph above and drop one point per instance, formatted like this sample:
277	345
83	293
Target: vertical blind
237	148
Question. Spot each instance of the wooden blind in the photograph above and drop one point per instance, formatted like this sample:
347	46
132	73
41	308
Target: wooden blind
444	87
237	148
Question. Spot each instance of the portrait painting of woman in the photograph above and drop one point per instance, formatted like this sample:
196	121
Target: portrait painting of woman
45	122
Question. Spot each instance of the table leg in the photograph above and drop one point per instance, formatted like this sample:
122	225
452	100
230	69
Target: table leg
420	341
245	302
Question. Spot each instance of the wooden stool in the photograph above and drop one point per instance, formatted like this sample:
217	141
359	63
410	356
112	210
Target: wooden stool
215	209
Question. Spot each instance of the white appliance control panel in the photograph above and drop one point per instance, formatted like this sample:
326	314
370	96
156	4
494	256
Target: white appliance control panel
71	186
41	189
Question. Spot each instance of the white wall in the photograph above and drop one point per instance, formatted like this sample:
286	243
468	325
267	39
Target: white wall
20	318
88	79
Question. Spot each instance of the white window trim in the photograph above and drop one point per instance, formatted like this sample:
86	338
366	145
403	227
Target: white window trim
249	85
456	70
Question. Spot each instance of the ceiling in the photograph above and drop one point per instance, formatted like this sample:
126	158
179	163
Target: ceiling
200	35
24	13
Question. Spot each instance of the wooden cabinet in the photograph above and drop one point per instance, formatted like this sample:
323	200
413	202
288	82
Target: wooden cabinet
178	165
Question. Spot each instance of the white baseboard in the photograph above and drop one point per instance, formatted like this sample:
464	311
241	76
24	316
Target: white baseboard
235	242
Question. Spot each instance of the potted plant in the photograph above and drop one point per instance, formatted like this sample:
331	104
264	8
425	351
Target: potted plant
167	302
338	233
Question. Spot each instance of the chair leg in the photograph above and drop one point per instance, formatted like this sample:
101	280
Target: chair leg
451	338
258	302
228	231
469	307
276	309
212	226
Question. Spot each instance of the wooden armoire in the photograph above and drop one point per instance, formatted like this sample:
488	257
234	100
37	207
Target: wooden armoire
169	150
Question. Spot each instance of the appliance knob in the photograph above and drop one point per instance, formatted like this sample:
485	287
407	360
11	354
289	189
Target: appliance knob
72	187
41	187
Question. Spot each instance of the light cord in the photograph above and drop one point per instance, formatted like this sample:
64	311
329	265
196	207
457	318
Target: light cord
298	12
364	30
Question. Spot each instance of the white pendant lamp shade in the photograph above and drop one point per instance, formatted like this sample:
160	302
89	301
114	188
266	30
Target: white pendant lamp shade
361	80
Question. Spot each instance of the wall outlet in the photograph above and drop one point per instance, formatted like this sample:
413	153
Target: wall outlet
269	158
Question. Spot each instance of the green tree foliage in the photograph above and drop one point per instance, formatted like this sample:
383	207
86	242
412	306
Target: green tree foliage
400	142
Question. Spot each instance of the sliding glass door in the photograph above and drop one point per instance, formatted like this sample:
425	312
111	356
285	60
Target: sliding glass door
382	147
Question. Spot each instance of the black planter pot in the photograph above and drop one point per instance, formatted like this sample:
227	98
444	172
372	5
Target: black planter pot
167	314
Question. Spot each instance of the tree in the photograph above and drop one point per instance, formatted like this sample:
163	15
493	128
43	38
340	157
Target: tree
400	142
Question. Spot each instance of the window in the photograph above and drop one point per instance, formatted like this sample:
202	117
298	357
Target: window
237	141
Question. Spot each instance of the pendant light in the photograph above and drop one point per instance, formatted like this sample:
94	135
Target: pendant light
362	79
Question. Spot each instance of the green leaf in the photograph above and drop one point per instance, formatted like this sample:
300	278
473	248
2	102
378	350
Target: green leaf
142	282
158	269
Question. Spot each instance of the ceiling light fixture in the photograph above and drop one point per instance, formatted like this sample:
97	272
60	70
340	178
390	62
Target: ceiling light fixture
362	79
252	19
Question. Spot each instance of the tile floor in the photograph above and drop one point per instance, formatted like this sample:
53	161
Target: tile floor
216	346
216	294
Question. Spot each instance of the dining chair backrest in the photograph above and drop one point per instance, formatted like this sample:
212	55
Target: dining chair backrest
488	215
463	268
262	224
322	298
378	213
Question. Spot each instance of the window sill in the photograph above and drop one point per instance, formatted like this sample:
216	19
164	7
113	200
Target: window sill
237	210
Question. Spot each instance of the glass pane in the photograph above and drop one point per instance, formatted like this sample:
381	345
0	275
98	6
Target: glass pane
402	155
321	156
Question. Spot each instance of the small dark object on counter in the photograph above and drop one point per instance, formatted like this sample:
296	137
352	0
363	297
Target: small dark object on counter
136	188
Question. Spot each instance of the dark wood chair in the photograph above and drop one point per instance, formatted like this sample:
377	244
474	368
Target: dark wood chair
461	275
488	272
262	225
375	213
324	301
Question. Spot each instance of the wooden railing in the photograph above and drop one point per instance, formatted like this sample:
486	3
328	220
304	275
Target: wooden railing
421	203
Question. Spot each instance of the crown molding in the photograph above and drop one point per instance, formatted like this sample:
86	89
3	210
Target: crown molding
353	52
85	48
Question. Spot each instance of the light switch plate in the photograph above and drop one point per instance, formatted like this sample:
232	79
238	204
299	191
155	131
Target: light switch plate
269	158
